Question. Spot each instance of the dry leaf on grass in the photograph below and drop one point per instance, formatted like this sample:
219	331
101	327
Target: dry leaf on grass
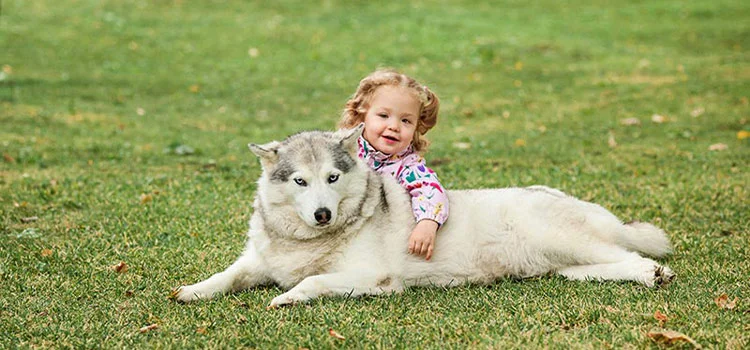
662	318
611	141
658	119
145	198
121	267
148	328
722	301
520	143
241	319
201	330
8	158
29	219
743	134
630	121
697	112
46	252
669	337
718	147
335	334
461	145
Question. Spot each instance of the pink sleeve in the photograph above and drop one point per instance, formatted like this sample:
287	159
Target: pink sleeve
428	197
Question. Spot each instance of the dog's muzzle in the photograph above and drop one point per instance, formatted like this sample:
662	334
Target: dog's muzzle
322	216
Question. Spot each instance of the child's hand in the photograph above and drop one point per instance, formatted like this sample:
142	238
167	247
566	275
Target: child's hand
422	239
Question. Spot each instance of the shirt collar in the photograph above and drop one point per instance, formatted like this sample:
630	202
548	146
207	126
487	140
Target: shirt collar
380	157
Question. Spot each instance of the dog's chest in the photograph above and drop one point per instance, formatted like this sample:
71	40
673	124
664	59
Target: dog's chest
288	264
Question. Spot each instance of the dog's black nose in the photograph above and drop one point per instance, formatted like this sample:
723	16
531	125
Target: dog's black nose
322	215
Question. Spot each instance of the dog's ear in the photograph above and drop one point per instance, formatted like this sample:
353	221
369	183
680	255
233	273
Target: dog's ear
268	153
349	138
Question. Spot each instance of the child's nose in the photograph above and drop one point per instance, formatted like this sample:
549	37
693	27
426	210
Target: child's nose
393	124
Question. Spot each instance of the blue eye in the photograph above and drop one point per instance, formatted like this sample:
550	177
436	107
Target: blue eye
300	182
333	178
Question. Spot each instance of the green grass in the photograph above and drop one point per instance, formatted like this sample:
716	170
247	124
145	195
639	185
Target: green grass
97	96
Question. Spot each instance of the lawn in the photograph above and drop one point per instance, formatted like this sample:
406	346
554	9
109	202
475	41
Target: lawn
124	132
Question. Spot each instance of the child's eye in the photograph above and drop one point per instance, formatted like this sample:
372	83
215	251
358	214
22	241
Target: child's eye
406	121
382	115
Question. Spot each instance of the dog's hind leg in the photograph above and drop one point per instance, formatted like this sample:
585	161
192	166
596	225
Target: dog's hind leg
244	273
638	269
343	283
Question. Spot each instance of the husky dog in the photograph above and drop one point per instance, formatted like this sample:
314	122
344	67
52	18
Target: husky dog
325	224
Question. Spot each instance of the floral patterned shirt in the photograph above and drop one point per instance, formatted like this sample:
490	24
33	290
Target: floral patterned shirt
428	198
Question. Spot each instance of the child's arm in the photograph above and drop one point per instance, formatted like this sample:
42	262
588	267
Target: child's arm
429	204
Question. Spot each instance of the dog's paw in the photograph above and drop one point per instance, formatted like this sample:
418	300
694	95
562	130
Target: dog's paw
663	276
658	276
288	298
186	294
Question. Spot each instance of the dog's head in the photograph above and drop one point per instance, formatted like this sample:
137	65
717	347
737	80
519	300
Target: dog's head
311	173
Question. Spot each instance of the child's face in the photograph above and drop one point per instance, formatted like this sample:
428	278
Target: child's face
391	119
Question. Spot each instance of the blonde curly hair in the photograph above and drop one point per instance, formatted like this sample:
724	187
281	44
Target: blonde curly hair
356	107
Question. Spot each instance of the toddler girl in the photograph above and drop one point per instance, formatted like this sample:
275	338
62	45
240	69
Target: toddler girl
397	112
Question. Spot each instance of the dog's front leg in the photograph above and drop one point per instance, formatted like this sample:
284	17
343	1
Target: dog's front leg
342	283
246	272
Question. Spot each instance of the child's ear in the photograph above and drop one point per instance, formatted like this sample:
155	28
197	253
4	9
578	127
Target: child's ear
268	153
349	138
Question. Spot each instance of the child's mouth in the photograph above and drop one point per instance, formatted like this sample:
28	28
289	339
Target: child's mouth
389	138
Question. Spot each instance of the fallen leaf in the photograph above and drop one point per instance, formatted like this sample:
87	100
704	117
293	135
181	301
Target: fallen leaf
145	198
8	158
201	330
697	112
253	52
662	318
46	252
195	88
743	134
722	301
140	111
520	142
148	328
7	69
718	147
29	219
669	337
128	293
518	65
630	121
611	309
461	145
506	114
658	118
611	141
335	334
120	267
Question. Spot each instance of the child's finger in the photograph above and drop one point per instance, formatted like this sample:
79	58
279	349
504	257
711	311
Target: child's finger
429	252
425	247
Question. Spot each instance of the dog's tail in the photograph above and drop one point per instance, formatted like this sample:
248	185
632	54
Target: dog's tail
645	238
